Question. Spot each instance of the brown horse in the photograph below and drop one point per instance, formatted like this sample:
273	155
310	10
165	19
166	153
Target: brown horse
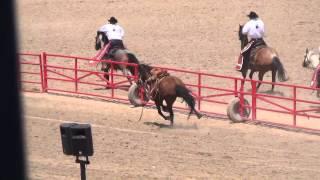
165	88
265	59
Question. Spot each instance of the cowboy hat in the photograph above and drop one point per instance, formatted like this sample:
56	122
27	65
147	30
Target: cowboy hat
253	15
113	20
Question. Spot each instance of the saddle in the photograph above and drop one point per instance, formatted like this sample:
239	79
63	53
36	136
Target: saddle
157	75
252	48
255	47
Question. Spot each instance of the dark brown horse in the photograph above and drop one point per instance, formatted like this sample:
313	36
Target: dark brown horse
166	88
265	59
117	55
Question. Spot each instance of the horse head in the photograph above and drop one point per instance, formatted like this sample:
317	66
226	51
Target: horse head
144	71
243	38
311	58
306	61
101	38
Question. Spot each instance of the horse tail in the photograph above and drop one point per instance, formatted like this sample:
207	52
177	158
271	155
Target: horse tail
282	75
186	96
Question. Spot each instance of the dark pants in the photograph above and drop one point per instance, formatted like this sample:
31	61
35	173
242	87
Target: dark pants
116	44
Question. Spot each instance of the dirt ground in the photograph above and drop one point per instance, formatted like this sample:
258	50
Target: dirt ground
125	148
194	35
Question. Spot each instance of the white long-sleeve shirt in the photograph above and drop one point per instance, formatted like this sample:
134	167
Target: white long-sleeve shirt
113	31
254	29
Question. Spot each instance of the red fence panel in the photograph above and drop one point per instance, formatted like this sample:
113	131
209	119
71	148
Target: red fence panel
75	75
31	72
71	74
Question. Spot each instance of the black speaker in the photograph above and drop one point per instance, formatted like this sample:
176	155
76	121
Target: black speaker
76	139
65	131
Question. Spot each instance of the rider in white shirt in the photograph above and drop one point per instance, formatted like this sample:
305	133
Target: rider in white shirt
254	28
114	32
255	31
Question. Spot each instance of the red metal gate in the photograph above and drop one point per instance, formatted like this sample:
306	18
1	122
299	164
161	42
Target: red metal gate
74	75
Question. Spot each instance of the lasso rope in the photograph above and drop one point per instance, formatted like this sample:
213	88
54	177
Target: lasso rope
141	113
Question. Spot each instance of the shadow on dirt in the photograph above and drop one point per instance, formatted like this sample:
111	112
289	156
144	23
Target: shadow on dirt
175	126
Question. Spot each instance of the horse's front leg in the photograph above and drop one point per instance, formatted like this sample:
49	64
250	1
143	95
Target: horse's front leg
127	74
158	102
106	75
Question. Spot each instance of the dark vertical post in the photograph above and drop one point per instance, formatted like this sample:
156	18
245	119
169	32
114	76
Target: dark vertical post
12	144
199	91
76	74
41	72
83	170
45	71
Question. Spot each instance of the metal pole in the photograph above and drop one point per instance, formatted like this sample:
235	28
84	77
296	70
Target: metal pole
83	170
41	72
199	91
112	85
76	74
45	72
235	88
254	99
294	106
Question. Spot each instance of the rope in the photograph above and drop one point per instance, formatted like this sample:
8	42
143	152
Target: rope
141	113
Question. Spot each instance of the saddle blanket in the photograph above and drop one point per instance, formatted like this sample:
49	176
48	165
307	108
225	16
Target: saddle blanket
315	77
100	54
240	58
239	63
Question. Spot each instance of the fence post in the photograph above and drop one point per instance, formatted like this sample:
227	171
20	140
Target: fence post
136	72
76	74
41	72
235	87
45	72
112	85
254	99
199	91
241	98
294	106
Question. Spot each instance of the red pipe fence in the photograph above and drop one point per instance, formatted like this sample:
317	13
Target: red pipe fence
297	108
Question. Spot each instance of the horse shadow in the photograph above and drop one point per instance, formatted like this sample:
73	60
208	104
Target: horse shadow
174	126
159	125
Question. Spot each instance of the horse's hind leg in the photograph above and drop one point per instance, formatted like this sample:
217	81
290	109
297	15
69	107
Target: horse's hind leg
170	100
261	74
251	74
197	113
274	72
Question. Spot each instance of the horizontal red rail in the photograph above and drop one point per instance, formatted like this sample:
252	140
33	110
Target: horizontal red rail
200	88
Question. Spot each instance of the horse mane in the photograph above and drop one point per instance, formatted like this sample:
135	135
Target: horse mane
144	71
